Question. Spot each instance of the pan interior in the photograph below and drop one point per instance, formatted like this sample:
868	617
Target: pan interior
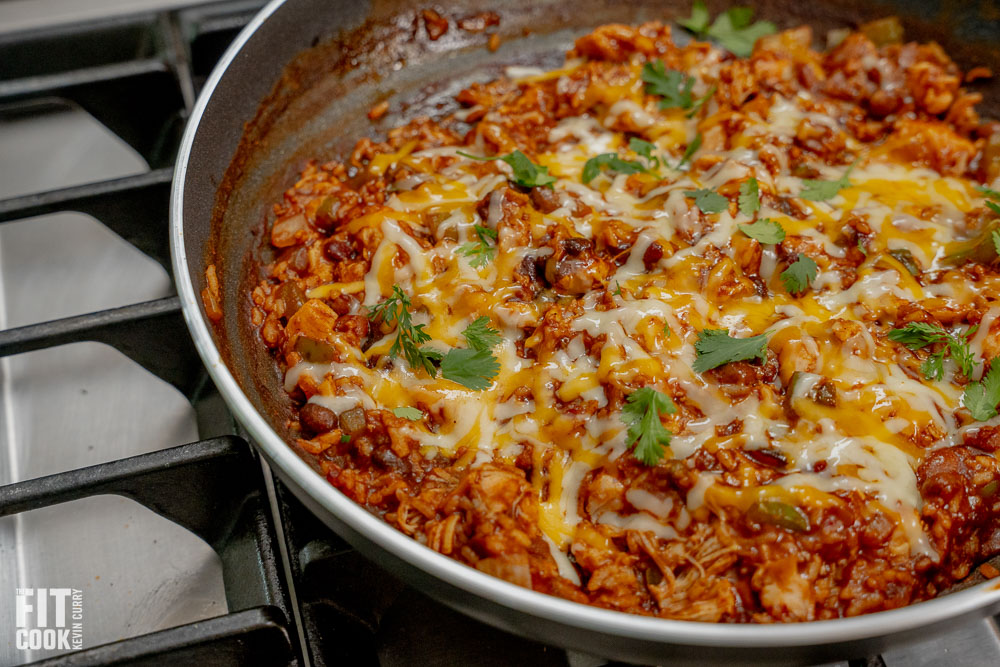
302	85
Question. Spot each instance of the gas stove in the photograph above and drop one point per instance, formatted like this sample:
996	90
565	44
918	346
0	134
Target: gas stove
137	526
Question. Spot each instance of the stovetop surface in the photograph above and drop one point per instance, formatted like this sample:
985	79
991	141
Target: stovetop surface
298	590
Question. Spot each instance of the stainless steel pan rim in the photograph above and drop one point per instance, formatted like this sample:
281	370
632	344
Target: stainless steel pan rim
468	579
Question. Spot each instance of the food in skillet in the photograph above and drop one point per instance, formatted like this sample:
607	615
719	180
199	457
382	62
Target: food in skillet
705	331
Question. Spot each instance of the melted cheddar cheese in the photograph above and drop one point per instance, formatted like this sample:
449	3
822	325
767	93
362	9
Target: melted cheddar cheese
601	288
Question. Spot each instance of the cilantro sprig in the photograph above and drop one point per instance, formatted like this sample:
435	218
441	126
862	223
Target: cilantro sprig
644	149
749	199
716	347
481	251
470	368
709	201
698	21
814	190
799	275
614	162
734	29
672	87
918	335
526	173
992	199
396	310
480	335
646	433
984	247
611	162
691	149
981	398
765	230
473	367
413	414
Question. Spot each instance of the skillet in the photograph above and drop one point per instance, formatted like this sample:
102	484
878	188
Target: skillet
296	84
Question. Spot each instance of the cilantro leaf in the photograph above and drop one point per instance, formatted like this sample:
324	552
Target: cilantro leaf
480	252
673	87
749	199
716	347
709	201
996	240
409	336
981	398
474	369
992	205
698	21
917	335
526	173
990	193
413	414
799	275
958	348
739	17
432	354
609	161
641	413
765	230
690	150
734	31
644	149
933	366
480	336
823	190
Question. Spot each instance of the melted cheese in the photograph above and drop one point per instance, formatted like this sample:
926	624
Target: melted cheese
645	335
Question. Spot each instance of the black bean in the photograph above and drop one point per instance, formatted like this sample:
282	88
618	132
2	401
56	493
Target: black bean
317	419
576	246
544	199
653	254
339	250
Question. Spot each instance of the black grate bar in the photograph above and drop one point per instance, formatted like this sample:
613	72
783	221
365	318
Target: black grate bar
134	207
140	101
211	28
213	488
152	334
46	85
159	480
257	636
178	55
75	45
